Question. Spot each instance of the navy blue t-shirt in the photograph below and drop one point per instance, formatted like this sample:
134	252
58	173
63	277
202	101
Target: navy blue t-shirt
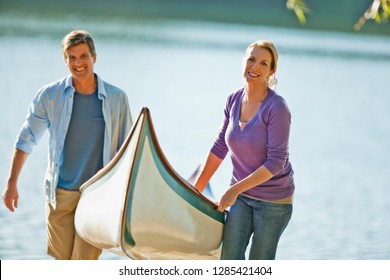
82	155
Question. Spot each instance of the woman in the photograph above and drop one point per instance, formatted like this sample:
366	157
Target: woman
255	131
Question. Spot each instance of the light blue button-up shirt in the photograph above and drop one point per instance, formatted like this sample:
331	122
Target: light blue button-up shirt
52	108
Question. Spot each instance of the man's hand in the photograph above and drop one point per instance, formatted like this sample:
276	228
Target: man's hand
11	197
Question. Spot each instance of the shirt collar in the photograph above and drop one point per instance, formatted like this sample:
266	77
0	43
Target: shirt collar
68	83
101	89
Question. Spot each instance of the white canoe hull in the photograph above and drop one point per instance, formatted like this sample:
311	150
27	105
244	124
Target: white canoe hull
140	207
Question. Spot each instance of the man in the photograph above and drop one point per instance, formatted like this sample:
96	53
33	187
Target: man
88	120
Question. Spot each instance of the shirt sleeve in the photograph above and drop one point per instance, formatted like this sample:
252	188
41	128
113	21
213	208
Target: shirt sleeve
34	126
278	129
219	148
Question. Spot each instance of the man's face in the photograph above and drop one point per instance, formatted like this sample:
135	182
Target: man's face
80	61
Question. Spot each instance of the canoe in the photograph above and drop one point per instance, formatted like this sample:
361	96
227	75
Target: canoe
140	207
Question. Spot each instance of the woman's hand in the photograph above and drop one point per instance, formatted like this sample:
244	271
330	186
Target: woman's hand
228	199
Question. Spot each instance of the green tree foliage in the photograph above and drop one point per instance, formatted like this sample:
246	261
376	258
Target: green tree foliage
379	11
300	8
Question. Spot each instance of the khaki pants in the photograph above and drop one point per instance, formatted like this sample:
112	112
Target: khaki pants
63	242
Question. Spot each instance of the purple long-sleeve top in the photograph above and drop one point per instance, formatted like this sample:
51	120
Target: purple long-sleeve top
263	141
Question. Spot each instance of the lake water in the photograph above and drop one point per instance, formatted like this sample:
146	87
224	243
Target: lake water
336	86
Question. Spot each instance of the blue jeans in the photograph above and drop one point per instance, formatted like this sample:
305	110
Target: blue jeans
264	220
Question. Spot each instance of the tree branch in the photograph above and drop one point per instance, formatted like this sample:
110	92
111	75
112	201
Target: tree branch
379	11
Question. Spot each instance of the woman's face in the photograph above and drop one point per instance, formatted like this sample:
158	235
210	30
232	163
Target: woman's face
257	66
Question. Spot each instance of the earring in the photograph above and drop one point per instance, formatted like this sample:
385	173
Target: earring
272	82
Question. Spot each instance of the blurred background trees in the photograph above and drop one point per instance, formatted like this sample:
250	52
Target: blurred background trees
379	11
367	16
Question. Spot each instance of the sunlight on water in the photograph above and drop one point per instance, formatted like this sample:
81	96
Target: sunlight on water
183	72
